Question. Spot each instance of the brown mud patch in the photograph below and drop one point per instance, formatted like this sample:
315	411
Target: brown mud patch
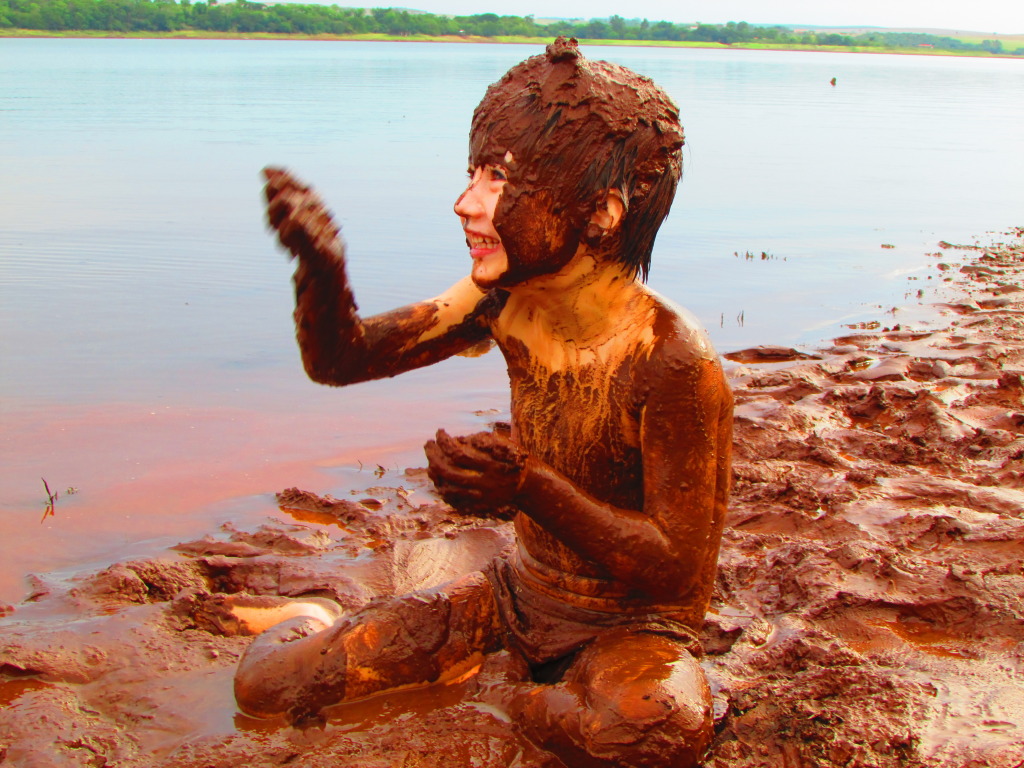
868	609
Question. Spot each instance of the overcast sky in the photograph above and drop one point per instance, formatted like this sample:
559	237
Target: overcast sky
1003	16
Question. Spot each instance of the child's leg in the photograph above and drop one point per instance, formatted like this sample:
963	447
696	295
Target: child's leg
303	664
629	699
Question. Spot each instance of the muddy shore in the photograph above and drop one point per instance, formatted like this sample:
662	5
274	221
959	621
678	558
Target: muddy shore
868	609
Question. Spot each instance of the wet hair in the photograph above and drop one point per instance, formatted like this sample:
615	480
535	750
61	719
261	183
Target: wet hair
576	128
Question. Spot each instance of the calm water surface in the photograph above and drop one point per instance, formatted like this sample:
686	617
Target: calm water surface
146	348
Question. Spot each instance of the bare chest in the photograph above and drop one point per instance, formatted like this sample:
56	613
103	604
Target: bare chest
582	419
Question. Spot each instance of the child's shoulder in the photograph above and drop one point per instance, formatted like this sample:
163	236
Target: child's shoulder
677	333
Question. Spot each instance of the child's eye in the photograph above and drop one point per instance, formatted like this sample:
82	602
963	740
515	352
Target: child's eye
498	174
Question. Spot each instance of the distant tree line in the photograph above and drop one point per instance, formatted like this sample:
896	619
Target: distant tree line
918	39
287	18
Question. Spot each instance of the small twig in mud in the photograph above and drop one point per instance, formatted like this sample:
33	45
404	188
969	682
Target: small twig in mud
51	499
379	471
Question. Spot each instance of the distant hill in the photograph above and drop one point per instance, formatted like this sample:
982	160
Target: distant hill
549	20
910	30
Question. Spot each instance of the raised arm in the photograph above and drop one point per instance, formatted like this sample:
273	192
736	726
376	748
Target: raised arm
338	347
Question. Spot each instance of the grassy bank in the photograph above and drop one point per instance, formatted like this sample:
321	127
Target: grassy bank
379	37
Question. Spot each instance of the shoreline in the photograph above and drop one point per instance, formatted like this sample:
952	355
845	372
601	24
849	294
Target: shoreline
867	606
11	33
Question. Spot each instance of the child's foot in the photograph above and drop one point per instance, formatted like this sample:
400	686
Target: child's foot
242	614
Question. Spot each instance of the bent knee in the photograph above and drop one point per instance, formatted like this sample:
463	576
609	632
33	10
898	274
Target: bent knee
277	670
647	702
258	697
675	697
652	729
631	730
262	688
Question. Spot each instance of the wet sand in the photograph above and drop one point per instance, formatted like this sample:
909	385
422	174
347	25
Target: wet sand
867	612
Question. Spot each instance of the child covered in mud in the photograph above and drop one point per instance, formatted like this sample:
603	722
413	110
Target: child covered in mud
617	462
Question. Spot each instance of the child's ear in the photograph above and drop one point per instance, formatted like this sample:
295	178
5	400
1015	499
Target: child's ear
610	209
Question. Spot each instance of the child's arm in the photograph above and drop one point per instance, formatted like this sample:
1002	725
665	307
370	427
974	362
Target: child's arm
338	347
668	548
671	546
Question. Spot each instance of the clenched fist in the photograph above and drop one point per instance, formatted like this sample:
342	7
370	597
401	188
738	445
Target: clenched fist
478	474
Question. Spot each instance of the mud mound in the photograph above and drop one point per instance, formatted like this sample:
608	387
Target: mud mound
868	610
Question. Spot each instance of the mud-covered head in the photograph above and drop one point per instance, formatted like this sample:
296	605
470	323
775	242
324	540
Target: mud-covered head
574	129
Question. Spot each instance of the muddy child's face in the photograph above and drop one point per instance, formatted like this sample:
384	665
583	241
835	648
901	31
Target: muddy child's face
515	227
475	207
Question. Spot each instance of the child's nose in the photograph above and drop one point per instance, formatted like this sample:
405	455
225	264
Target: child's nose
468	204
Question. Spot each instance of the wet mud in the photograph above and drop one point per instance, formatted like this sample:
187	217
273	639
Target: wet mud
867	609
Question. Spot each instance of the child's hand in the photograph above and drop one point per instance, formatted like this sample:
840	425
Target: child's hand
304	226
327	322
478	474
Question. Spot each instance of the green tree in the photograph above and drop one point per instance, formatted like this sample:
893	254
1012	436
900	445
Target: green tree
597	30
664	30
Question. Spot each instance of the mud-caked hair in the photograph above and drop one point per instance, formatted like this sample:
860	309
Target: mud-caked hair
575	128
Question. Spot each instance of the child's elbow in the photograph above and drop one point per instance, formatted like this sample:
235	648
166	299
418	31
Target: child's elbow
664	585
670	580
317	373
330	375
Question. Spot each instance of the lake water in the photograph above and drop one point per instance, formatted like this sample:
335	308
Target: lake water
147	357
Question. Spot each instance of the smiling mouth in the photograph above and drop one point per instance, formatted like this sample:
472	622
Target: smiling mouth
481	245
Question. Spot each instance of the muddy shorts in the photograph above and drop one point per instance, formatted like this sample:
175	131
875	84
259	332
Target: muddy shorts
545	629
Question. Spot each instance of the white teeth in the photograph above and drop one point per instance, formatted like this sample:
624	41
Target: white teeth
487	242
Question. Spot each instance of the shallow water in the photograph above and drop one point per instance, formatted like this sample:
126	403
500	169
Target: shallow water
146	350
